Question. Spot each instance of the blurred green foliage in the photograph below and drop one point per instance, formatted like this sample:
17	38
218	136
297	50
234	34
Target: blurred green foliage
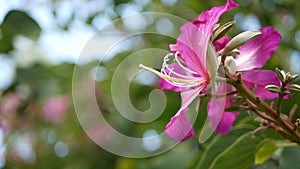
17	23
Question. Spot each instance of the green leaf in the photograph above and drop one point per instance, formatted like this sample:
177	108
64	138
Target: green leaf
290	158
221	143
265	150
239	155
19	23
6	43
269	164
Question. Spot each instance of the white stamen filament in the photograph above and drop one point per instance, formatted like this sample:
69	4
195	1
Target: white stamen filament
179	62
182	80
173	79
171	70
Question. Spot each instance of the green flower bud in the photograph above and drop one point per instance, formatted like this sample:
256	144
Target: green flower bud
273	88
290	77
220	31
281	74
294	88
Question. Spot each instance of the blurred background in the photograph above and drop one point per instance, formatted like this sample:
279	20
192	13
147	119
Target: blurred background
40	43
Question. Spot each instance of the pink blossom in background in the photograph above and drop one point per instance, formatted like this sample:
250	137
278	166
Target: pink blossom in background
101	132
55	108
9	104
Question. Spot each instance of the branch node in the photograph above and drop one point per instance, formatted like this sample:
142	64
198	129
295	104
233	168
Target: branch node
258	100
239	78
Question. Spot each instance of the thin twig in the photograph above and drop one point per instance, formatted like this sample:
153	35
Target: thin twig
261	114
293	112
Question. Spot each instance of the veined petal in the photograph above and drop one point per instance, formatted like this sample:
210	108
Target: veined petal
221	43
195	36
226	122
215	107
189	95
221	121
257	52
260	79
180	128
206	20
192	46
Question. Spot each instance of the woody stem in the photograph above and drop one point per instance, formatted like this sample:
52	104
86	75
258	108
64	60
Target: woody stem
285	124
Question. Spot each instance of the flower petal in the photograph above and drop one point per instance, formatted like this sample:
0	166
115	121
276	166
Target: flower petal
189	95
207	19
165	85
261	78
180	127
192	47
173	48
226	122
195	36
257	52
221	121
221	43
215	107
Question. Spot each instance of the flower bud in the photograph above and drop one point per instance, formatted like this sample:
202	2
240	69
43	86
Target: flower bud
273	88
220	31
281	75
216	26
294	88
297	123
285	77
294	76
290	77
212	62
234	53
230	64
240	40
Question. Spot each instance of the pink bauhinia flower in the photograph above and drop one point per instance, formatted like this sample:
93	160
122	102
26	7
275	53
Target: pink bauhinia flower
195	67
193	70
253	54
